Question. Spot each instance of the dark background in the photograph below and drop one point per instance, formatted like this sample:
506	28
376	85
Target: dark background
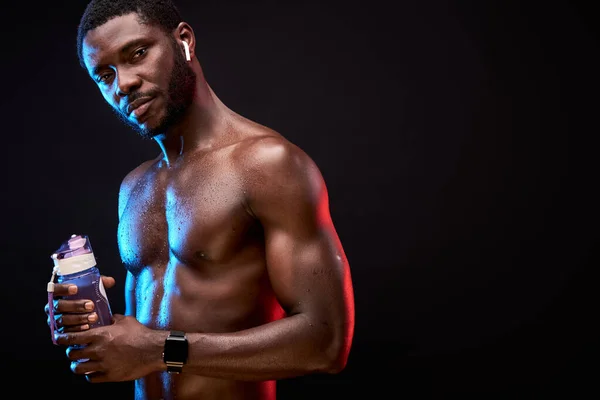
454	140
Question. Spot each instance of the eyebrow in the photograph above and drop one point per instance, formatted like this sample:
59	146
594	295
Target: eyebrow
124	49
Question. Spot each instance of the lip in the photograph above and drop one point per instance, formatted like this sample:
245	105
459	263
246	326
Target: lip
139	106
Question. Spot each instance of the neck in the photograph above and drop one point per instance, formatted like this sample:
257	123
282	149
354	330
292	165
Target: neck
199	126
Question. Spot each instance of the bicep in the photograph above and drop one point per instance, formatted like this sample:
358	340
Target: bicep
309	274
306	263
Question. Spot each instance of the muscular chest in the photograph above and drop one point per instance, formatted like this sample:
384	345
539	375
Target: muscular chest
187	215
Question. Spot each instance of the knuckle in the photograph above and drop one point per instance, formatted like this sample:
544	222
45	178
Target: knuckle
77	367
84	302
69	320
92	353
71	353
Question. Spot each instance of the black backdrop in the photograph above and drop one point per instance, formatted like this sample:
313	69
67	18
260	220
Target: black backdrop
445	131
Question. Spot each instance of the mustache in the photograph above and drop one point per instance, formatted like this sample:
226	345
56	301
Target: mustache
134	96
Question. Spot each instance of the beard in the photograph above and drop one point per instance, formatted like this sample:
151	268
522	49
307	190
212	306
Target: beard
179	96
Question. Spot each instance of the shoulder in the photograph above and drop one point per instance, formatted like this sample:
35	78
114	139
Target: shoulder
275	170
274	157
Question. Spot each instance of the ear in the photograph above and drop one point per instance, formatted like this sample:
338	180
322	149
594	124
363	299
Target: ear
184	32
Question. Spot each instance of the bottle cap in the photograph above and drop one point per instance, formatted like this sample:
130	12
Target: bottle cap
74	255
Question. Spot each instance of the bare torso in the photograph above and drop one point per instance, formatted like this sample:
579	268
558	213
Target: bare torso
195	257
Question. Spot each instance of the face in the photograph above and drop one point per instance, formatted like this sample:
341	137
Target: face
141	73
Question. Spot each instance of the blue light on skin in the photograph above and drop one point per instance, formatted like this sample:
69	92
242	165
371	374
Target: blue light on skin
128	61
153	296
171	289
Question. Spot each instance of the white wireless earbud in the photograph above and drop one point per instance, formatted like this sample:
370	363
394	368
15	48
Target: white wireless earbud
187	50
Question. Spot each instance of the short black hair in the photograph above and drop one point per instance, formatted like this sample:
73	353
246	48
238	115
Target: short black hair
161	13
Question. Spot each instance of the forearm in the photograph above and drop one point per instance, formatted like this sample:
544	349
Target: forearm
289	347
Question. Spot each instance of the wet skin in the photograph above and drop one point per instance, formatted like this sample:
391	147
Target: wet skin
230	241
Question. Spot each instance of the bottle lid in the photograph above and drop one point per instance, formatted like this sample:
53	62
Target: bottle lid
74	255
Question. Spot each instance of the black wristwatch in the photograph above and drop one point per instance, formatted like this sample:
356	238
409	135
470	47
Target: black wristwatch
175	352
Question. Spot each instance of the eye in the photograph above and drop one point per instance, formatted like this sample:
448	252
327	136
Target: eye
139	52
103	78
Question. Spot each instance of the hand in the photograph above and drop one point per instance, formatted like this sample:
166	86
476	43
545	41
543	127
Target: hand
123	351
72	315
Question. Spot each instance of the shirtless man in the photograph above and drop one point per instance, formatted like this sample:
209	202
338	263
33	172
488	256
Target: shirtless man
226	235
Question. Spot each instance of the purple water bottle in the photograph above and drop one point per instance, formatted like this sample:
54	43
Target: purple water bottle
75	264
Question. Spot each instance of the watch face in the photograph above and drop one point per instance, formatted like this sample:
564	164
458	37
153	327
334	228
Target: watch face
176	349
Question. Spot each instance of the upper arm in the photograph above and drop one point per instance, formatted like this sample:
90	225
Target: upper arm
306	263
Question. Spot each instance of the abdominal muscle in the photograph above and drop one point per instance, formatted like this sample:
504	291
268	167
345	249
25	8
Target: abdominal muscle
203	298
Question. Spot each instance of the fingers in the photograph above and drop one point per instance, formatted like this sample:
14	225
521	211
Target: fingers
76	328
73	306
72	315
108	281
84	363
61	290
87	367
74	338
81	354
77	319
97	377
70	306
75	322
64	289
76	354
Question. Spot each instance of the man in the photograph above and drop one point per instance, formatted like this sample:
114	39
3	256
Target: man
226	235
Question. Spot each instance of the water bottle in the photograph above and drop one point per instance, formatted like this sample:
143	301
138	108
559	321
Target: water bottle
74	263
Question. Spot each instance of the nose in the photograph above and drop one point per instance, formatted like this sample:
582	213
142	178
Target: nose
127	83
